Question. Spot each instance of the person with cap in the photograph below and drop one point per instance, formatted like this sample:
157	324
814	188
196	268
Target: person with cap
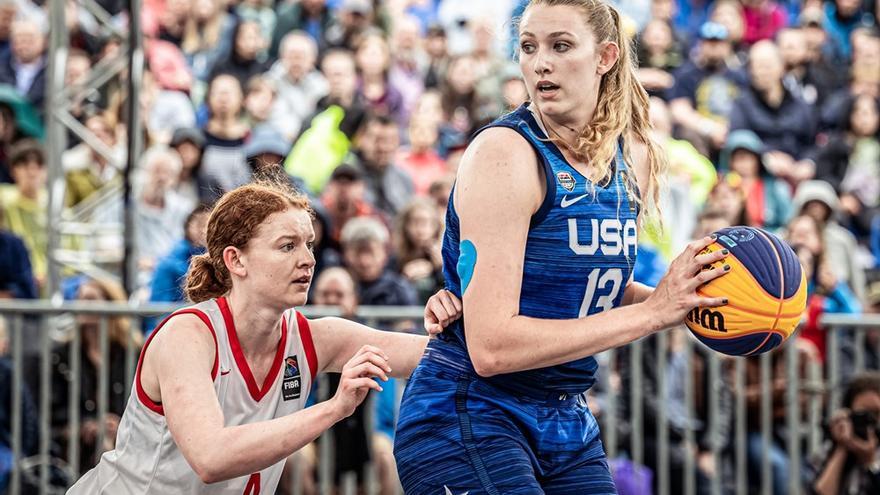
729	13
767	199
344	198
783	121
265	147
704	90
265	151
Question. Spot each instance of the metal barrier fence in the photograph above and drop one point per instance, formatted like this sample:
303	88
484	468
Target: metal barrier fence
638	411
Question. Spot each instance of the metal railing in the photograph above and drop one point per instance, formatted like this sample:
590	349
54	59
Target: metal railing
717	410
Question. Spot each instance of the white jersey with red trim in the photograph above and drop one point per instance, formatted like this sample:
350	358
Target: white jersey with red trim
146	459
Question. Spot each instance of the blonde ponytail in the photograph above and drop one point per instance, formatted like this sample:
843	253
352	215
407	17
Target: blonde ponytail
638	122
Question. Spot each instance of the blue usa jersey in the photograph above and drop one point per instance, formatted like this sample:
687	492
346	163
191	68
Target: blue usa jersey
579	256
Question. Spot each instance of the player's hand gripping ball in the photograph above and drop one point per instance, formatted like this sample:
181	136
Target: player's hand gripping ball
766	292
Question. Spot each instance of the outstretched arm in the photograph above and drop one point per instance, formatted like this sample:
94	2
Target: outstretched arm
179	362
336	338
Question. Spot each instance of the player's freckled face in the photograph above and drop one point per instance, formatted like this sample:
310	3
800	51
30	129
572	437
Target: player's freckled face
559	60
279	259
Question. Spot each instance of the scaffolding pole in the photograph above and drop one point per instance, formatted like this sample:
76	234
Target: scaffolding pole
135	138
56	138
59	122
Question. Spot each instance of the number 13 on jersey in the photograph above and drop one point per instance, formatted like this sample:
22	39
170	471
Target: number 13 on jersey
603	285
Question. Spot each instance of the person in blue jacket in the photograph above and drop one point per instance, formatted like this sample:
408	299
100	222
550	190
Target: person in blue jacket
16	276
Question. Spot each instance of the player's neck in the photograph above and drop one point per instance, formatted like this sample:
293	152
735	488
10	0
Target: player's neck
568	128
257	327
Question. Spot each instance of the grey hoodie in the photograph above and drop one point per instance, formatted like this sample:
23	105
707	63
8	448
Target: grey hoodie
840	244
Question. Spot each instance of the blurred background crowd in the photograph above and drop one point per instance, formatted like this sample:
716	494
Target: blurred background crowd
769	111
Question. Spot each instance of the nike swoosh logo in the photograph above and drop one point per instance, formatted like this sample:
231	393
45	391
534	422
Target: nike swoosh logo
568	202
225	372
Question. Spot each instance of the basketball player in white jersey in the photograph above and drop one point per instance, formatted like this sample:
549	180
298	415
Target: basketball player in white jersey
220	390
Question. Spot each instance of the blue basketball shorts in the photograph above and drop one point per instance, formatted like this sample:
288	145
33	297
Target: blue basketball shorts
459	434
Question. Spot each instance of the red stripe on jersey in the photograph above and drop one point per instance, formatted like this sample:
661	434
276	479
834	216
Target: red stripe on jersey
141	393
305	336
257	393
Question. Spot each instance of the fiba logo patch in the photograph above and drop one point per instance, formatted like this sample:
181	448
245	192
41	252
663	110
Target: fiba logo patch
566	180
291	386
737	236
741	235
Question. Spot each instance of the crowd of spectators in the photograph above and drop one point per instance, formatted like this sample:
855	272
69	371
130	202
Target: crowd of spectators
769	111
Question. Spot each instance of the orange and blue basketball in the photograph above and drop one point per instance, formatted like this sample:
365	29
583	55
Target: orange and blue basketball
766	292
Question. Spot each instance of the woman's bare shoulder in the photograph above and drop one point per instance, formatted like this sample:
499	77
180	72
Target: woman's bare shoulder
498	151
184	331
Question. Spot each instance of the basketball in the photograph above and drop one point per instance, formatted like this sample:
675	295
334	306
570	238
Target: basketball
765	289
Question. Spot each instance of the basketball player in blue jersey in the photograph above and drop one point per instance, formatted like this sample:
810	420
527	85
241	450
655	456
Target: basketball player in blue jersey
540	244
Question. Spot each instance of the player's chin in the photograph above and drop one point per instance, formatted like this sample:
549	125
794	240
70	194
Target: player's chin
297	294
557	106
